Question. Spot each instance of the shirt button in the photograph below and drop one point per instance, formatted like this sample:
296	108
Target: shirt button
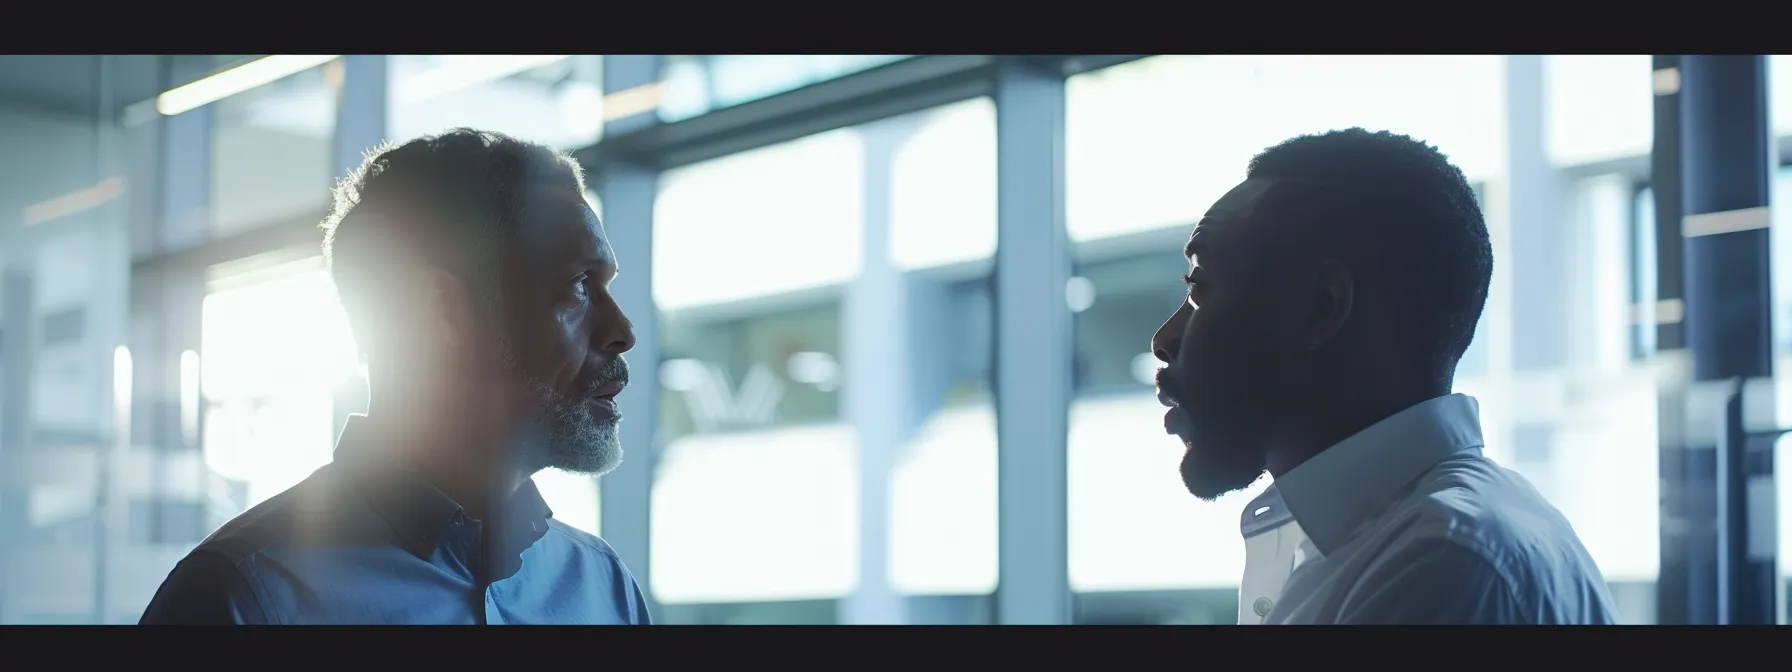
1262	606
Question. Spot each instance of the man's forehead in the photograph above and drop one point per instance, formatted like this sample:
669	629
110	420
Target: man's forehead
1237	203
558	202
561	221
1227	213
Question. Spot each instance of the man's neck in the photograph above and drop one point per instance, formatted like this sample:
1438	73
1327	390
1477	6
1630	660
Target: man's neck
1338	421
479	490
465	463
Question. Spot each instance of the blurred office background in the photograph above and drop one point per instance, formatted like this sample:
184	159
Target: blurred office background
810	249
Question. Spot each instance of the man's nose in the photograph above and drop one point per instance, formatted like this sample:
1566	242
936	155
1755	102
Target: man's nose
1166	341
615	334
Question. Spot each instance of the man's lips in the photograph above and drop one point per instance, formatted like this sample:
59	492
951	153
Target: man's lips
1173	418
607	391
1165	388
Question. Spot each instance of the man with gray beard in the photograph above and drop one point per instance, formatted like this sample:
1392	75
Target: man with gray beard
476	279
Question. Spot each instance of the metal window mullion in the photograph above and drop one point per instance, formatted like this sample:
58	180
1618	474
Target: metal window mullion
1033	346
878	359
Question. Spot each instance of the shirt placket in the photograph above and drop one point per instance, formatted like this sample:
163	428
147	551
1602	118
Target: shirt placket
1269	560
469	534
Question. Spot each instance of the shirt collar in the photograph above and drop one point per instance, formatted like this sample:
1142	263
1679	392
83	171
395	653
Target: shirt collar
418	512
1334	492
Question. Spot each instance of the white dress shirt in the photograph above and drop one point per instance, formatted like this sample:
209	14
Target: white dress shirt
1407	523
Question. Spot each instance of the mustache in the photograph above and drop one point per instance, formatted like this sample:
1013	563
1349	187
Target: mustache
614	371
1167	392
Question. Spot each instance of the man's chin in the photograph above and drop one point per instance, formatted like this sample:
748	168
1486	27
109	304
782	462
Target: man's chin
1210	475
593	449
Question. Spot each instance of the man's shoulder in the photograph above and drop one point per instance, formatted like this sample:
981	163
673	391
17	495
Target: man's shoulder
250	532
595	566
213	583
309	512
1486	508
1495	515
584	543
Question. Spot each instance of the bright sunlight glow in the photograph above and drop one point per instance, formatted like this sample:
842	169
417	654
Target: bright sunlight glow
274	354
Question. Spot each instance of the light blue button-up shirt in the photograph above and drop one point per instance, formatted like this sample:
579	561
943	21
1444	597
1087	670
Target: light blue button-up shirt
366	541
1407	522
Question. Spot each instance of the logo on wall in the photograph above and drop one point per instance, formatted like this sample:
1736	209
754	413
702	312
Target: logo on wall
717	404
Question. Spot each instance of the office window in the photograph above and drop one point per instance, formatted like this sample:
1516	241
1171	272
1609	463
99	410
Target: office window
760	275
1598	107
751	252
942	209
1779	93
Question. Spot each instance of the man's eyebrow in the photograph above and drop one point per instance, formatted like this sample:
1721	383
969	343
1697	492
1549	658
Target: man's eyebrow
1197	243
595	262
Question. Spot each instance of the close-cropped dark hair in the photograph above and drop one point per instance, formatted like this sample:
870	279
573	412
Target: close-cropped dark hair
1402	217
448	200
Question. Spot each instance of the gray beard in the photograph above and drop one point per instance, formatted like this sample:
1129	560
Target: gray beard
570	436
562	432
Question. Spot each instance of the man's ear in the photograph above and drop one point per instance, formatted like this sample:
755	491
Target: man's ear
1333	298
442	300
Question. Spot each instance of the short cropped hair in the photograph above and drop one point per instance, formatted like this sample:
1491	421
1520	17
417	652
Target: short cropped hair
1402	217
449	201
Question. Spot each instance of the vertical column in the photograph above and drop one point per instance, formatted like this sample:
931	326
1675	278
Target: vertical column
1727	168
108	307
18	335
1534	222
628	190
876	338
1684	585
1033	348
361	105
